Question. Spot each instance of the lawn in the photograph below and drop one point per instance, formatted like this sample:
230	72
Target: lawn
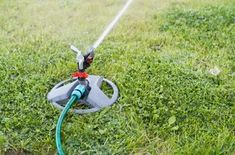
173	61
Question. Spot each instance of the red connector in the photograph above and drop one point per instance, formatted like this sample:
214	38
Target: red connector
80	75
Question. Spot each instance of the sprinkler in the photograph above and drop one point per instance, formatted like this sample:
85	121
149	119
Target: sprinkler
93	96
83	88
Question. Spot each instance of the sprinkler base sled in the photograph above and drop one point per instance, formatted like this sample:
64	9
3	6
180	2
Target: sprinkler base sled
94	98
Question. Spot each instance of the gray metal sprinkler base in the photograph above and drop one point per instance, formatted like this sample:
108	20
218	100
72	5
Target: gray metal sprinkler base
96	98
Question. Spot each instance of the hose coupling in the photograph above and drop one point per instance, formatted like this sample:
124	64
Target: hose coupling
79	91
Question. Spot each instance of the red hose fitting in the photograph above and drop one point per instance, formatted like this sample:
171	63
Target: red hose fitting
80	75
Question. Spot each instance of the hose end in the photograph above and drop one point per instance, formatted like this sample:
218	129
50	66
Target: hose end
79	91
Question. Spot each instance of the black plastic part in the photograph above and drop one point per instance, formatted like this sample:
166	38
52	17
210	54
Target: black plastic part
88	59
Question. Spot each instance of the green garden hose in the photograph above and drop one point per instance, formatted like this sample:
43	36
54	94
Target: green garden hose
76	95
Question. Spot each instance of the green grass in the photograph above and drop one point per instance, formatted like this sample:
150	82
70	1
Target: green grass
160	56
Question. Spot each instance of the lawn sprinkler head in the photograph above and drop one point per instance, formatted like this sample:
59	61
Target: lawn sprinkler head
94	98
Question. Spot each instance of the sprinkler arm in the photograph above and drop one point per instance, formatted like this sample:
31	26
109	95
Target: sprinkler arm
83	61
75	49
79	57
